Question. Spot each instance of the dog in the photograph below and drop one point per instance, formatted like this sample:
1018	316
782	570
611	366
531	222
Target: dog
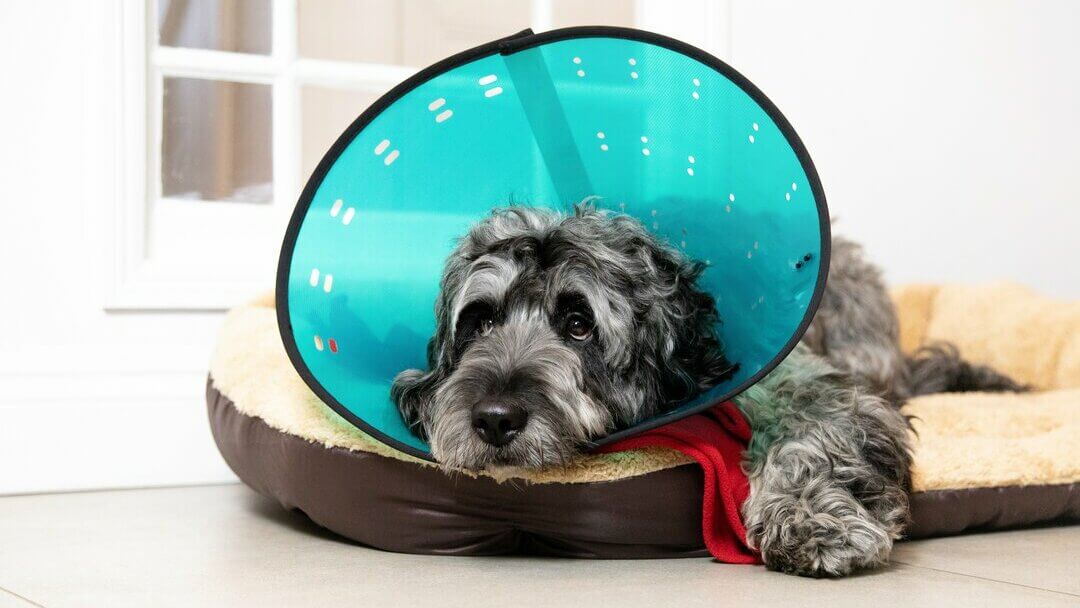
554	328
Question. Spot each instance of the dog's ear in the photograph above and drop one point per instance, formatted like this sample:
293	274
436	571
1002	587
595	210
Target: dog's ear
413	389
692	356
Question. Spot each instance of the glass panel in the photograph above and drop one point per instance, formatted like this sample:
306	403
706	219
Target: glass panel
350	30
216	141
240	26
565	13
406	32
325	113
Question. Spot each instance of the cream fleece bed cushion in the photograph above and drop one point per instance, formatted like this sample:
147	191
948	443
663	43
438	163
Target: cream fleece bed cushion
969	448
963	440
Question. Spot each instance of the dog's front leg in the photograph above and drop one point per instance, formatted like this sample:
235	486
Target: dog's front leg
828	467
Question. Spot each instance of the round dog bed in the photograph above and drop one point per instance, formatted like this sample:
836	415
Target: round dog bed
982	461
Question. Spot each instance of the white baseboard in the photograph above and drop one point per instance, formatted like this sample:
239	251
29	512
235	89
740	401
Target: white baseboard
62	432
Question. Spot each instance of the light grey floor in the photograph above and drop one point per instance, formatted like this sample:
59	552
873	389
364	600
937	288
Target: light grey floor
225	546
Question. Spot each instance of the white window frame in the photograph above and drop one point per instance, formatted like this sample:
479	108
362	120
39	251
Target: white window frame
195	278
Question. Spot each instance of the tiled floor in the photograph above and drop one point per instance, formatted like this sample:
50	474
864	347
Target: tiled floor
225	546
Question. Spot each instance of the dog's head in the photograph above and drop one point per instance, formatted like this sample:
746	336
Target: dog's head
553	329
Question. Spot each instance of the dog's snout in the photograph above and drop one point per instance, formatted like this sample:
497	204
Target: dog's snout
497	423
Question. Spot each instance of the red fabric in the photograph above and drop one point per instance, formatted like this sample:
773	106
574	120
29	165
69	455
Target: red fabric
716	439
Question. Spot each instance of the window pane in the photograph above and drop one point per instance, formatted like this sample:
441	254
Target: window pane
565	13
325	113
216	141
350	30
405	32
240	26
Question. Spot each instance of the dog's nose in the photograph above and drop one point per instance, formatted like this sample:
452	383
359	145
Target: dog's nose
498	424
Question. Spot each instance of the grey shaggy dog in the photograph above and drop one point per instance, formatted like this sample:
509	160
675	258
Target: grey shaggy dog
552	329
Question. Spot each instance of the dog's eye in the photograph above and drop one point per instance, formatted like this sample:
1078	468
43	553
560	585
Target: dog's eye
477	318
579	326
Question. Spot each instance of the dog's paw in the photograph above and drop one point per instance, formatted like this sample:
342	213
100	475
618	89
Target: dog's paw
798	539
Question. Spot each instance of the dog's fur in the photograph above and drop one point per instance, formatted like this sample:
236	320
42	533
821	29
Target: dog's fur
829	460
655	342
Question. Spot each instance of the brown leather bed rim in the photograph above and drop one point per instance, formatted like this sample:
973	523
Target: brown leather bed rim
400	506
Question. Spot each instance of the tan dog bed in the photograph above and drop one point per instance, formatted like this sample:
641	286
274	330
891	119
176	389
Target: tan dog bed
983	461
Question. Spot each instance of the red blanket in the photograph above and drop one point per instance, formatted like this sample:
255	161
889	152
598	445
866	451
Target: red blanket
716	439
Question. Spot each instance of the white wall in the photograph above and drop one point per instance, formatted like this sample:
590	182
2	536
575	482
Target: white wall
87	398
945	133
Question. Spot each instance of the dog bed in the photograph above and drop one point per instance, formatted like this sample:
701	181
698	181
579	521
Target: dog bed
983	461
